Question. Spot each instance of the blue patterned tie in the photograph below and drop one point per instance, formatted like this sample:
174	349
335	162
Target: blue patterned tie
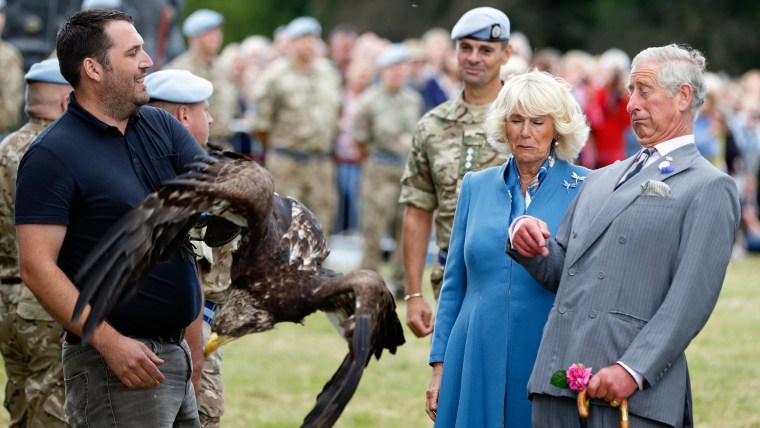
639	164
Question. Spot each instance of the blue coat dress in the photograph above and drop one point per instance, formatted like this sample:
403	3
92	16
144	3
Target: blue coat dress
491	313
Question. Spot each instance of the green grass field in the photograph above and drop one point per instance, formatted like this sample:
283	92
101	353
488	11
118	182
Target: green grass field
272	379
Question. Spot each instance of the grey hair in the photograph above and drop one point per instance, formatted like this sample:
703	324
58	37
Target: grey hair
536	93
678	64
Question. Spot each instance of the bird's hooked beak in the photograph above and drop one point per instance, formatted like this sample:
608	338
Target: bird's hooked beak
215	342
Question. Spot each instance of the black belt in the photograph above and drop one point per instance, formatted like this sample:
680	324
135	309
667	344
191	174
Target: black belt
164	337
10	281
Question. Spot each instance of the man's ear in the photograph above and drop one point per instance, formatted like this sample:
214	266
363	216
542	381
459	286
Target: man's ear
182	114
93	69
507	54
685	94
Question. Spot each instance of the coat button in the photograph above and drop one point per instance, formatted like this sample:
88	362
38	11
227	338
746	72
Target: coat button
571	272
575	234
592	314
600	275
562	309
622	239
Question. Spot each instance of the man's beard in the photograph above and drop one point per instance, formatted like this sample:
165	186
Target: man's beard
121	101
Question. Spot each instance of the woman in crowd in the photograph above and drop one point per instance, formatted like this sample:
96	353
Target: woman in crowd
491	312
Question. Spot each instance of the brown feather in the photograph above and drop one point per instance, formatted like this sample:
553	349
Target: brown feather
277	273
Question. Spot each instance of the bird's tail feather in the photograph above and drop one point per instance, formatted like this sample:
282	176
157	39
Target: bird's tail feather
339	390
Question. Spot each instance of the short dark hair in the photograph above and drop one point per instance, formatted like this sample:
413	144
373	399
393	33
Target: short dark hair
83	36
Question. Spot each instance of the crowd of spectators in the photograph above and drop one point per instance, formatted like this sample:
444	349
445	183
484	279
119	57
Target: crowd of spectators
727	132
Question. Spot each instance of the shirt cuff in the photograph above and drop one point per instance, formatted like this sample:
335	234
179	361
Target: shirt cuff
636	375
513	228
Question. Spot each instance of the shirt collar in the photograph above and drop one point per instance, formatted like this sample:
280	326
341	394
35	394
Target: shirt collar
668	146
76	109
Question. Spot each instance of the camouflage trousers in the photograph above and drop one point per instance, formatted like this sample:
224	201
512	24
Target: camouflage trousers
381	213
30	342
436	279
311	181
210	398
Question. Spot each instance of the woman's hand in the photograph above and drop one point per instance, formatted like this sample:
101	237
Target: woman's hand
431	405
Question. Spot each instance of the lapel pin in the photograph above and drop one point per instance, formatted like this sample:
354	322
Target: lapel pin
664	166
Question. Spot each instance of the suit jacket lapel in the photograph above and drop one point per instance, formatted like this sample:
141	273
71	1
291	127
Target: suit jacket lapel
612	202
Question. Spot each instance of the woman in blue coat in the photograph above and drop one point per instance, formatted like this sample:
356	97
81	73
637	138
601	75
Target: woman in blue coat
491	312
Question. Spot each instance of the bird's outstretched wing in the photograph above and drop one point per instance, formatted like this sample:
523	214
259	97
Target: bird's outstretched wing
374	326
223	183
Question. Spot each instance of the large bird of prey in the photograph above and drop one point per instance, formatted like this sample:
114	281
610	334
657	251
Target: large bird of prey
277	273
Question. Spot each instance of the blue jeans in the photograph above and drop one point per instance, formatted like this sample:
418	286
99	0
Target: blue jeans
95	397
348	176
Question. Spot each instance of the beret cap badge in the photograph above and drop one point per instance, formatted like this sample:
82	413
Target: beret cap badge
495	31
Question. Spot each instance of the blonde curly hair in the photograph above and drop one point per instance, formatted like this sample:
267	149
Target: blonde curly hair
536	93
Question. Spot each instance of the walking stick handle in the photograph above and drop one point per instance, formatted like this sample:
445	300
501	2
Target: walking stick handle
583	409
624	422
582	404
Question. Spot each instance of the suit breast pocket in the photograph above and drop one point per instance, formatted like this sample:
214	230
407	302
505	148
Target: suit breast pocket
652	218
664	202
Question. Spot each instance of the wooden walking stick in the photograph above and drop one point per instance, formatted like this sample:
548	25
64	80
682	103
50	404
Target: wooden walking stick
583	409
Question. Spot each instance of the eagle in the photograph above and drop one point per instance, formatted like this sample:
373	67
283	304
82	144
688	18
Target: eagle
277	272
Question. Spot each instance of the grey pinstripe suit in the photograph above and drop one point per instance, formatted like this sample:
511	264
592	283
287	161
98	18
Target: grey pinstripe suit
637	277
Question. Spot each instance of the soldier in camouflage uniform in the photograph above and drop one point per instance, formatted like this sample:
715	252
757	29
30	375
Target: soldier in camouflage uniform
385	120
449	142
204	35
297	111
11	81
214	268
30	340
185	96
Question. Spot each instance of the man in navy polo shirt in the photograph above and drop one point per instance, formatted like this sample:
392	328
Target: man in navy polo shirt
90	167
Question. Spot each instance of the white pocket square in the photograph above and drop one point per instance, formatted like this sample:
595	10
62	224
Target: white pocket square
655	188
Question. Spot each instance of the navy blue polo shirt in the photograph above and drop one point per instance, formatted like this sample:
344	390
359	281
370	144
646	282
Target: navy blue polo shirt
84	174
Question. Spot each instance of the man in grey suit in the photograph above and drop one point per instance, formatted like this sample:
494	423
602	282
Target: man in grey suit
638	261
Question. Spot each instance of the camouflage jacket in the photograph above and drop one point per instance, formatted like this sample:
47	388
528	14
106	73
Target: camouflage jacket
223	103
299	109
12	149
449	142
385	120
215	264
11	85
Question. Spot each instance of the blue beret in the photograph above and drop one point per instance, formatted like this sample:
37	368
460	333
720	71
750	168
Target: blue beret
303	26
393	54
178	86
45	71
279	30
482	23
201	21
101	4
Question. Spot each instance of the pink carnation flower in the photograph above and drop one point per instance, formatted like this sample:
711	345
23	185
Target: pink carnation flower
578	376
